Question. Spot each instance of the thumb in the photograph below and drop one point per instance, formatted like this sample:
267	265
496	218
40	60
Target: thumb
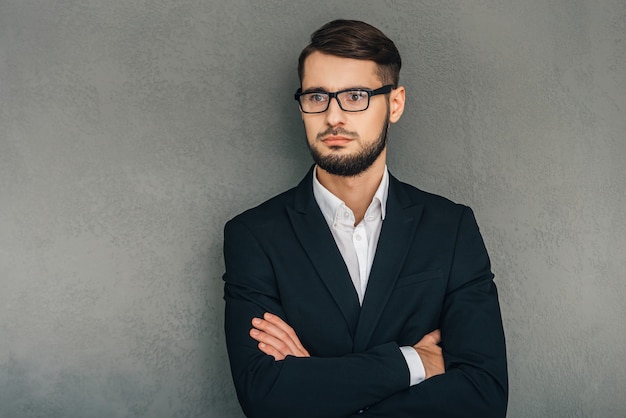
432	338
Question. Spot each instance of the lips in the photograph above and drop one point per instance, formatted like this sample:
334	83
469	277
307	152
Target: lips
336	140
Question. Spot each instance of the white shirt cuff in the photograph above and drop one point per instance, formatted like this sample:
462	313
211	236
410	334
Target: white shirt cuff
414	362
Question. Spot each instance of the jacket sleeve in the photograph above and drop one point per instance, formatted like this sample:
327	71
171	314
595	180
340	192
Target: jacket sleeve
294	387
475	383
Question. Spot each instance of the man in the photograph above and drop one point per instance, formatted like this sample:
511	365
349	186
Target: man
354	293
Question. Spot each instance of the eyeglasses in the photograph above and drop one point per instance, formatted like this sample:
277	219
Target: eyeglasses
350	100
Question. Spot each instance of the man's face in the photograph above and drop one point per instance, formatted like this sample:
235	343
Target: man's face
347	143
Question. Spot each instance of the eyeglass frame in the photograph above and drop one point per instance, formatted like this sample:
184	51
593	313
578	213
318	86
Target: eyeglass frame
382	90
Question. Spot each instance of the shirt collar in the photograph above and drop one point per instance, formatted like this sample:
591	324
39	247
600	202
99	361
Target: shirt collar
330	204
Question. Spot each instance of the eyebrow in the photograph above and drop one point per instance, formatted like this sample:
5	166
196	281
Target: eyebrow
323	90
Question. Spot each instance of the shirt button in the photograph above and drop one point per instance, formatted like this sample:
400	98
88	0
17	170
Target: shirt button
358	238
346	215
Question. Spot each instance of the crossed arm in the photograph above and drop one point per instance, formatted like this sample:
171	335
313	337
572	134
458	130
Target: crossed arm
275	376
277	339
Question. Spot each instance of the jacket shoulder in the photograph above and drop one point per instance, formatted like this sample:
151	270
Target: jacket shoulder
430	201
267	212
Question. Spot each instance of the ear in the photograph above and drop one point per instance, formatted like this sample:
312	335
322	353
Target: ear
396	104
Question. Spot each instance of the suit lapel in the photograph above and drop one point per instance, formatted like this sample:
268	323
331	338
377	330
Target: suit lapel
316	239
395	240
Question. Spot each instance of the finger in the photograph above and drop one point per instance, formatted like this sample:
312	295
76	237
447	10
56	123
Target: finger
271	351
274	331
276	320
270	334
285	339
271	345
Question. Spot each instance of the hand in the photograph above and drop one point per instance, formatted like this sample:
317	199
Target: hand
276	338
431	354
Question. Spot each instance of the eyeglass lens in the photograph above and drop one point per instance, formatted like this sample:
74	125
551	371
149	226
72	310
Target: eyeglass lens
351	100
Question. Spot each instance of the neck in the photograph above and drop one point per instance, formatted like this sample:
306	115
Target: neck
358	191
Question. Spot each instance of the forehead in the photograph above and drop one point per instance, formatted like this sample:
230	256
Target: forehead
333	73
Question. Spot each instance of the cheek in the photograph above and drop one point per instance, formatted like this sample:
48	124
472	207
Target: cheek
310	128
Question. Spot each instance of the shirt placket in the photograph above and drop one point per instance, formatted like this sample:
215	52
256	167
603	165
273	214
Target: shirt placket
359	240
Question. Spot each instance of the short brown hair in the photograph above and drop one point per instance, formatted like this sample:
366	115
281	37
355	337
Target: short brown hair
358	40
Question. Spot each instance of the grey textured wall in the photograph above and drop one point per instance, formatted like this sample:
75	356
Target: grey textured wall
131	131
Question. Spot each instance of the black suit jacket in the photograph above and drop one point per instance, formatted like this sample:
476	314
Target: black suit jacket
431	270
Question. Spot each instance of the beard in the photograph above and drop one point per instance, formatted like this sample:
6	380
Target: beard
350	165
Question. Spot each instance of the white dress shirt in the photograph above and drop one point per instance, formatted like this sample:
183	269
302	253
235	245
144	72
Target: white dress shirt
357	245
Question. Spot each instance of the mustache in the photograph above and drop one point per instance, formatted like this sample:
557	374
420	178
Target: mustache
336	132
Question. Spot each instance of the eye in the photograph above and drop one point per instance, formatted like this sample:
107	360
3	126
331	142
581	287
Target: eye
316	97
355	96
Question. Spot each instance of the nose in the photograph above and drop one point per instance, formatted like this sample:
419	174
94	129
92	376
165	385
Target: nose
334	115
